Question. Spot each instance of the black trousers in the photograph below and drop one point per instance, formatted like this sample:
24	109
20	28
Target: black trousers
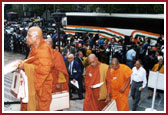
79	90
135	93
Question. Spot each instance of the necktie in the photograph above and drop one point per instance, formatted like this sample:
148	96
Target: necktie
70	68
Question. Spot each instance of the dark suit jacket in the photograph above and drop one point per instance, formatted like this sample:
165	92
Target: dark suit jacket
76	70
80	63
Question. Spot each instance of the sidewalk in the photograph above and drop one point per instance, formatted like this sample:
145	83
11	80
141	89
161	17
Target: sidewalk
75	105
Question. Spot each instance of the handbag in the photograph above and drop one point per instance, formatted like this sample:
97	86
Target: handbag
19	87
111	106
60	101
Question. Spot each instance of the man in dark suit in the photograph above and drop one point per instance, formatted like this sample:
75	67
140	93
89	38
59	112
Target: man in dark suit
75	73
79	59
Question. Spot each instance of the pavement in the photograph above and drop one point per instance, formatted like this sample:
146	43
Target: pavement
75	105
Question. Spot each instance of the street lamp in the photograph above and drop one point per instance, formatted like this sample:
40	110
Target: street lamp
58	18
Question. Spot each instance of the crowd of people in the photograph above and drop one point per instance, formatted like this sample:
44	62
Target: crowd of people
89	60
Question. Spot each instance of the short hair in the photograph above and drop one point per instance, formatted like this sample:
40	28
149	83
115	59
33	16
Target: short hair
78	53
71	55
139	61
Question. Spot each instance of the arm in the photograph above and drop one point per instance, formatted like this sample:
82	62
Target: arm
108	83
78	72
126	85
144	81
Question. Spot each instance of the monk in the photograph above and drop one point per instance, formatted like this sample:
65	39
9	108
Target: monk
120	79
160	68
38	69
59	73
96	98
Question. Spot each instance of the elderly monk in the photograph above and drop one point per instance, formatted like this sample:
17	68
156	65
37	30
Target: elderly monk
38	69
59	73
96	98
120	79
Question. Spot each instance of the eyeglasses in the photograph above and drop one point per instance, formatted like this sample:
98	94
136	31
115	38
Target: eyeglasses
69	58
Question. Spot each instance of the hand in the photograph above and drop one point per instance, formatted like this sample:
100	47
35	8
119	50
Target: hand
20	66
107	99
58	86
74	80
142	89
122	90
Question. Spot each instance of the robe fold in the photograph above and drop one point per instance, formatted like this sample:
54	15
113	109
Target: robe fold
59	73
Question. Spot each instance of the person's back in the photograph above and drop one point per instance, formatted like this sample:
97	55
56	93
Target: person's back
101	41
130	53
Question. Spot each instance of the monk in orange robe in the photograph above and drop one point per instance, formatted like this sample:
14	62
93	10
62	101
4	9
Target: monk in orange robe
120	79
40	58
59	73
96	98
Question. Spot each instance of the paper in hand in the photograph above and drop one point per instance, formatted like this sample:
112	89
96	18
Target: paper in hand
12	66
97	85
75	84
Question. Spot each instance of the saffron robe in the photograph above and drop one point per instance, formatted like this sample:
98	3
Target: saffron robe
59	73
94	99
119	78
42	61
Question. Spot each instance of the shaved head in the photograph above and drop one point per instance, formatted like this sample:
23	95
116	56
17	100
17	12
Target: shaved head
92	56
115	63
93	60
34	35
36	31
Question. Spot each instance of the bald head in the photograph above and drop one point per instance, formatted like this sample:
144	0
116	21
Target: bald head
92	56
115	63
36	31
93	60
34	35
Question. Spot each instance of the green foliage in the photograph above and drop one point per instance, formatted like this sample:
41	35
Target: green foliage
39	9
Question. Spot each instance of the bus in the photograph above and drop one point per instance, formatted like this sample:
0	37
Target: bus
107	25
12	18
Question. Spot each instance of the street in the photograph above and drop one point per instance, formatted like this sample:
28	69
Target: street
75	105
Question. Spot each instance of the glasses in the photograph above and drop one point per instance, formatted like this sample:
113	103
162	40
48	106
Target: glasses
69	58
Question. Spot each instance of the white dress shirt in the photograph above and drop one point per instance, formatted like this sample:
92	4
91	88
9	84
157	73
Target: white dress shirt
70	66
139	75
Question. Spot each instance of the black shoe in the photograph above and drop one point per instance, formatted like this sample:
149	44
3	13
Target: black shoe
80	98
72	98
149	97
158	96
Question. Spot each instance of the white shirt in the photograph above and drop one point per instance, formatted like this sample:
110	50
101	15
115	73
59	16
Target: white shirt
139	75
70	66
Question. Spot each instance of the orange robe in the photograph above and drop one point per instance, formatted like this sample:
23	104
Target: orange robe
92	102
119	78
59	73
156	66
42	61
